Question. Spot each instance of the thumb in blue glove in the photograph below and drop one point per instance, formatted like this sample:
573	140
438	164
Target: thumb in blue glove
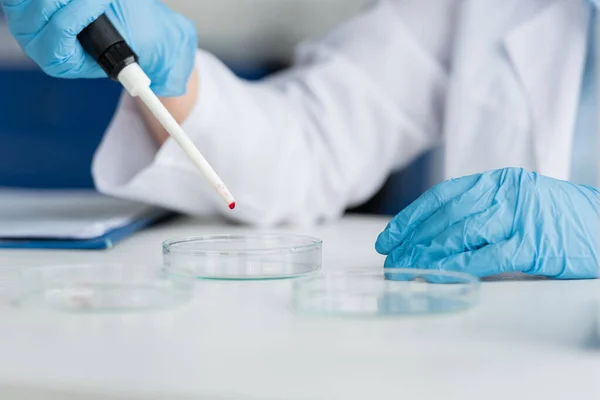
164	40
507	220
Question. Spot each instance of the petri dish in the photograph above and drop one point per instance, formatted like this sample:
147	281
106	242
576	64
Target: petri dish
244	257
385	292
103	287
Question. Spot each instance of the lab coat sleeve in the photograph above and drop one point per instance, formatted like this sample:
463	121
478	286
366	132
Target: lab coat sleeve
301	146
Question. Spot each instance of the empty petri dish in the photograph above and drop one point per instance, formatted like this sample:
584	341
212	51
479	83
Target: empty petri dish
385	292
103	287
244	257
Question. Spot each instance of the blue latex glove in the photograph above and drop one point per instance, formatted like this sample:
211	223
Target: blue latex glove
47	31
501	221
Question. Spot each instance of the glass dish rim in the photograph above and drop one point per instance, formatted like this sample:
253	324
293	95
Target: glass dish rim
170	273
308	243
466	278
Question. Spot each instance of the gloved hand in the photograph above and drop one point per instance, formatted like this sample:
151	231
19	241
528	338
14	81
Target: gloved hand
508	220
164	40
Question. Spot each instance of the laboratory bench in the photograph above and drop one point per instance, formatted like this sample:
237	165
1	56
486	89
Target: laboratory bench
527	338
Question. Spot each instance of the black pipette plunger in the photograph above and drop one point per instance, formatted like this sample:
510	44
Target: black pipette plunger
104	42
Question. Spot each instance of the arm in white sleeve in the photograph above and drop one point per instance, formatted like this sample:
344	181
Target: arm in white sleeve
302	146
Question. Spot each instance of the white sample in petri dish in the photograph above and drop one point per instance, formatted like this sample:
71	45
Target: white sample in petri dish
103	288
385	292
244	257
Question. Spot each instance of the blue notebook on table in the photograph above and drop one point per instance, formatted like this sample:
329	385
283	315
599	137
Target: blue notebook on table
72	219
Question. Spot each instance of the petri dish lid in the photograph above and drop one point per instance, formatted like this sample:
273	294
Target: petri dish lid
385	292
244	257
103	287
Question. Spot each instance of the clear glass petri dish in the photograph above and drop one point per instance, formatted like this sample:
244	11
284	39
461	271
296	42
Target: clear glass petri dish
385	292
103	288
244	257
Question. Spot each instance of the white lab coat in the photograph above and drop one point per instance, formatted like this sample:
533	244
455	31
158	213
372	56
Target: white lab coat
496	81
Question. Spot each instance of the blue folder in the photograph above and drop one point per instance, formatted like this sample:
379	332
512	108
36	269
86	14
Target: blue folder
106	241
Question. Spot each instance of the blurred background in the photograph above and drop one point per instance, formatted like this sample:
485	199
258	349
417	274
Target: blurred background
53	146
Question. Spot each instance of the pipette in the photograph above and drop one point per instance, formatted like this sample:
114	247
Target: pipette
106	45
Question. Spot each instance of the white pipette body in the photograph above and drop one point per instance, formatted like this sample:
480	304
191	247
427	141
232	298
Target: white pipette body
137	84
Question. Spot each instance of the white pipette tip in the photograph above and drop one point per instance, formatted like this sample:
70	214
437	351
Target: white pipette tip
137	84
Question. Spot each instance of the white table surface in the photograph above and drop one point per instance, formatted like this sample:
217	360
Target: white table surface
239	340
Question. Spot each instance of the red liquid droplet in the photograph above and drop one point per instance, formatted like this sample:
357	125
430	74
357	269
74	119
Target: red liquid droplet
232	206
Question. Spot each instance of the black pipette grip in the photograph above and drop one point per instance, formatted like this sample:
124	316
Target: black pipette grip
104	42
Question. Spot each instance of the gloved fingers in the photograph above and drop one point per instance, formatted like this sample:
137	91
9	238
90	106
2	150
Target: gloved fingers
118	11
28	17
470	211
67	60
420	210
480	194
487	227
56	47
489	260
78	14
168	66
